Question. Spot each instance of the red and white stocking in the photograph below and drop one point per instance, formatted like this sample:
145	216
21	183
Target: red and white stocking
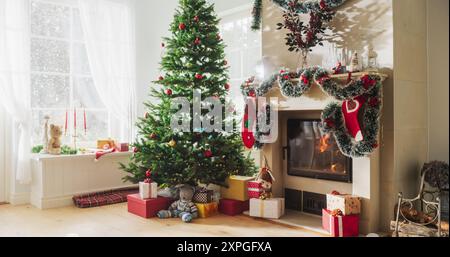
351	109
248	136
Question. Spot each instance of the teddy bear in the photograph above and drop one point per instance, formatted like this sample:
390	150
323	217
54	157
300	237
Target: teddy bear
266	179
54	144
184	208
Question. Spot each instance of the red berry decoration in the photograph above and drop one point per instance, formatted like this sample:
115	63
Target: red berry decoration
135	150
197	41
368	82
252	93
198	76
304	80
196	19
208	153
169	92
227	86
148	173
182	26
323	5
286	77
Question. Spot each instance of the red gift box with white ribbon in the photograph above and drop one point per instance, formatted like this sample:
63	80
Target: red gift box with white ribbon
340	226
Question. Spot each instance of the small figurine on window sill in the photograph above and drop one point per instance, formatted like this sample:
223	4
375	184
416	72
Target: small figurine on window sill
339	69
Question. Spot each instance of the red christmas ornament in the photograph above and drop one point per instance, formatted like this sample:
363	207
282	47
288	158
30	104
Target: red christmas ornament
252	93
227	86
198	76
196	19
161	78
153	136
148	173
182	26
286	77
282	71
135	150
225	62
169	92
208	153
197	41
218	37
163	45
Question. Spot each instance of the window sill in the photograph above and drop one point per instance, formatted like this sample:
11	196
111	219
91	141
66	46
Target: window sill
48	157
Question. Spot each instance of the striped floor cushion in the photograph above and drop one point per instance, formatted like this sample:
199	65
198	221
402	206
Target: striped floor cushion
103	198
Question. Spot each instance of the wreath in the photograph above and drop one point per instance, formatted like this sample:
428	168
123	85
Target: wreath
300	7
337	119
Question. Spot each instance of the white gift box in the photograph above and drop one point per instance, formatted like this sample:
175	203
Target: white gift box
272	208
148	190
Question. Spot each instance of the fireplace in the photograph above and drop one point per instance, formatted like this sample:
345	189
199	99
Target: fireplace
312	154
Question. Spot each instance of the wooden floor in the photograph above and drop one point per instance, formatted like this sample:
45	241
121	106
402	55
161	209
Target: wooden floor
115	221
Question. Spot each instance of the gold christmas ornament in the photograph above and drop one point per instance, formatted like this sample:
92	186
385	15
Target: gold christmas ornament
172	143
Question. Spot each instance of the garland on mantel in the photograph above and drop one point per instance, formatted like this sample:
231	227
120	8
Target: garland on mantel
301	7
368	88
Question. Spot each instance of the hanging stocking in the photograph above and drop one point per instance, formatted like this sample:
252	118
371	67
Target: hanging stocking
247	132
351	109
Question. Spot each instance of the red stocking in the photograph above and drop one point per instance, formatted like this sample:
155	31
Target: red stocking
247	134
351	109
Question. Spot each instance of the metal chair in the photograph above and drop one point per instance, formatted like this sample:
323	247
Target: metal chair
429	207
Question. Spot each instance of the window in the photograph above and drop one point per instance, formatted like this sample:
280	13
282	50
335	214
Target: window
61	79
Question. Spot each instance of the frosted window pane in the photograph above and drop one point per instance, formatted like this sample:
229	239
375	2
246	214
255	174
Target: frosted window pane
49	91
85	93
97	125
49	56
80	60
57	117
77	30
50	20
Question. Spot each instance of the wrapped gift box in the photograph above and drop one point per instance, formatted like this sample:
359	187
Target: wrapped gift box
203	195
254	189
149	207
105	144
206	210
148	190
348	204
340	226
233	207
122	147
237	188
272	208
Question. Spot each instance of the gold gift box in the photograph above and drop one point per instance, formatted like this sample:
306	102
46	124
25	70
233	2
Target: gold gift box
206	210
237	188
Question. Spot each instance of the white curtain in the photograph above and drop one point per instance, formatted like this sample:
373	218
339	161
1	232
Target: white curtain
108	27
14	80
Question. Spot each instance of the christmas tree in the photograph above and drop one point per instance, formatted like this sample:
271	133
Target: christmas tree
194	60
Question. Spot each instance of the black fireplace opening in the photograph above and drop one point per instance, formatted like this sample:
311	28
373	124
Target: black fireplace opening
313	154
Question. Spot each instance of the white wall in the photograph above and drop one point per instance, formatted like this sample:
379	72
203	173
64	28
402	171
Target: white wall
438	82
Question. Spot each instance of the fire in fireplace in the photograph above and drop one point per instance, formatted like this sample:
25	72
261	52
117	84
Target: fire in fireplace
314	154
